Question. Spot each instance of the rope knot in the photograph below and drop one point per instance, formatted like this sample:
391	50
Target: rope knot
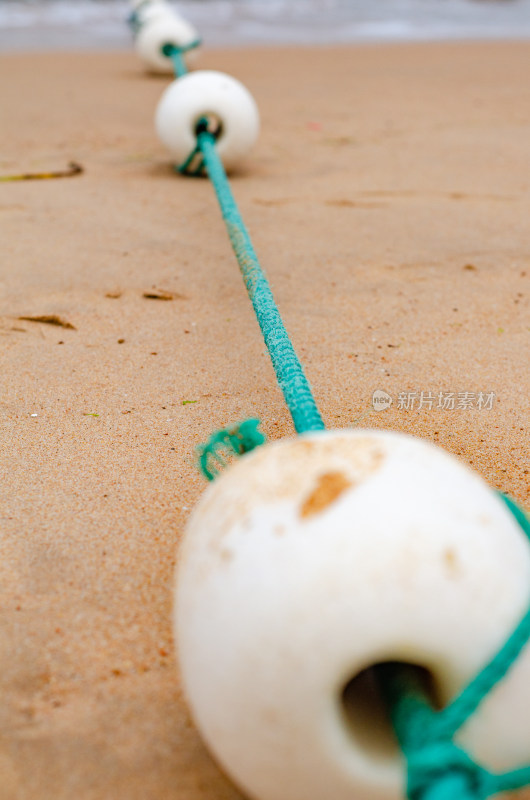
440	770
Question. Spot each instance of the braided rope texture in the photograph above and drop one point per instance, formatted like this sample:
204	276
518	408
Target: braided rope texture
289	371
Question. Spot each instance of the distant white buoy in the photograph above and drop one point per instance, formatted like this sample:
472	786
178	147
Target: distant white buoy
312	559
158	26
213	95
144	11
144	7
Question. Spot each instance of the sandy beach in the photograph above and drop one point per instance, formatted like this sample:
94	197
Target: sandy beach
388	198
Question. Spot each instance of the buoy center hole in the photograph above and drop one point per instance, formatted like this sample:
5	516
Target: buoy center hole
209	123
366	716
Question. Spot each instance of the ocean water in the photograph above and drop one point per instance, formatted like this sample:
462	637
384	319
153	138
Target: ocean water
72	24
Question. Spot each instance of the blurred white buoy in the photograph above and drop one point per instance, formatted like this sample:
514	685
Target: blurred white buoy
145	10
140	7
158	26
312	559
218	97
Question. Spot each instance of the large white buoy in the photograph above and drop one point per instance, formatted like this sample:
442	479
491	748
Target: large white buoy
211	94
312	559
158	26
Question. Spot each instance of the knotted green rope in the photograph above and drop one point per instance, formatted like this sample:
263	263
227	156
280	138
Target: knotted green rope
437	768
239	439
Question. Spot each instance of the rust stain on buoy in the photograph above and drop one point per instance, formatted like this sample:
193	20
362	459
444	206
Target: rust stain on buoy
330	486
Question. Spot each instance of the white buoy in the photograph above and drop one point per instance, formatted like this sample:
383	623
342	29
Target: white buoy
213	95
144	7
144	11
312	559
159	25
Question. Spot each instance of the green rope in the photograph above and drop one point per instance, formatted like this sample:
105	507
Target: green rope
239	439
451	719
194	164
437	769
289	372
176	54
